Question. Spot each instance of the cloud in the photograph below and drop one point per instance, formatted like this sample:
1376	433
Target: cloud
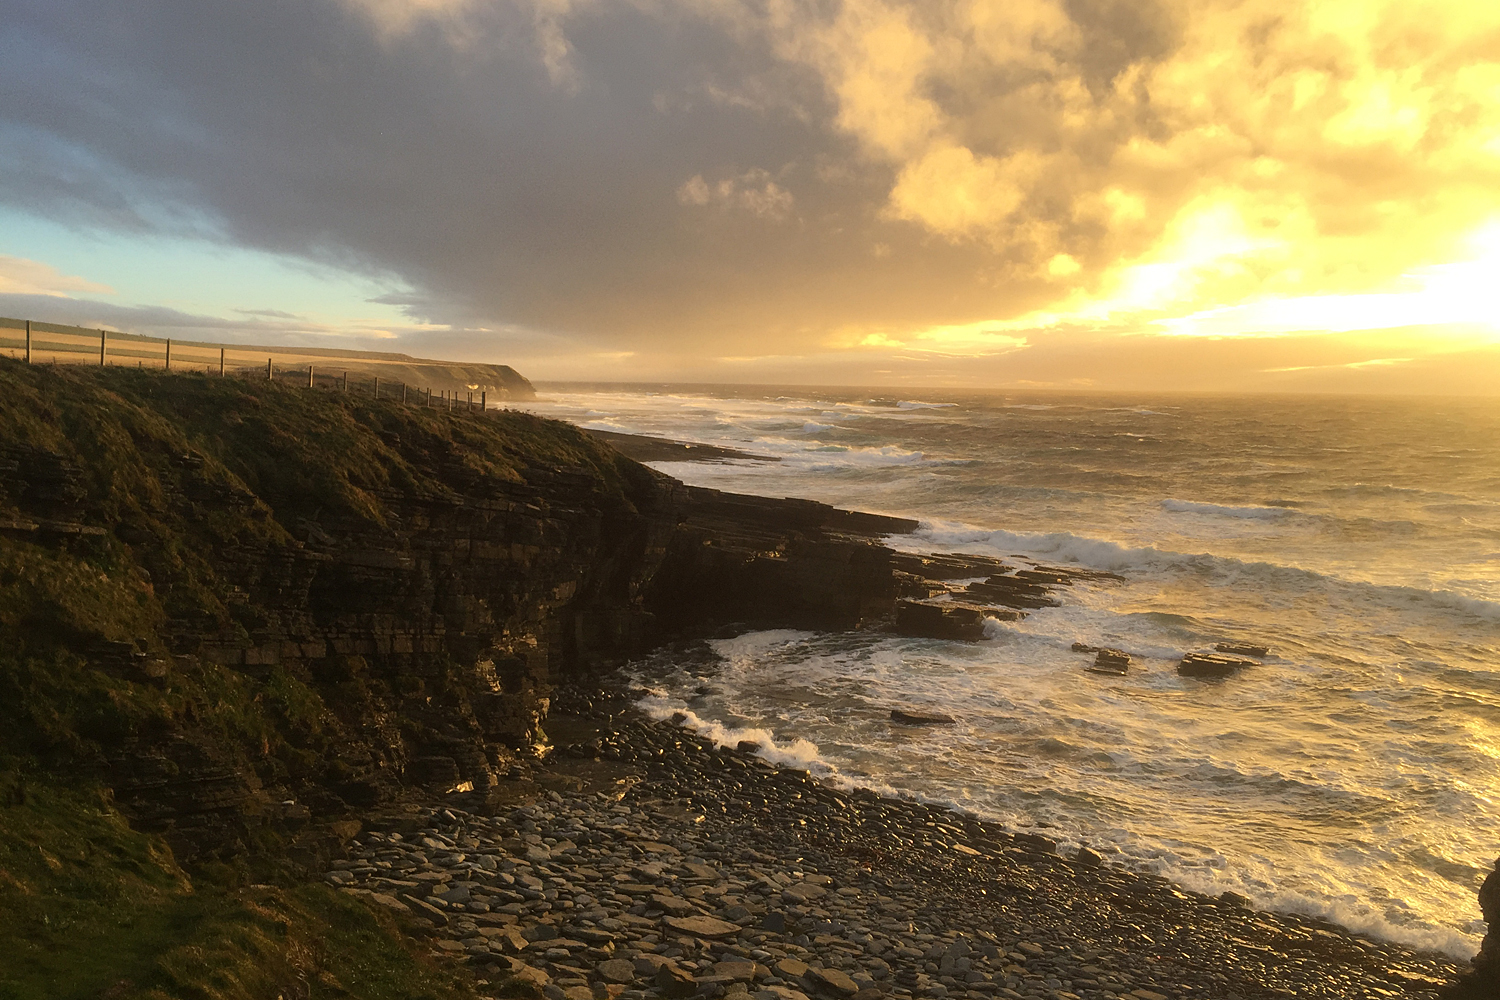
753	191
655	176
19	276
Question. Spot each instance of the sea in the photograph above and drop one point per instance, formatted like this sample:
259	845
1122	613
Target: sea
1355	775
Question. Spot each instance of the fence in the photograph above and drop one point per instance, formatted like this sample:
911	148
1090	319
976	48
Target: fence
52	343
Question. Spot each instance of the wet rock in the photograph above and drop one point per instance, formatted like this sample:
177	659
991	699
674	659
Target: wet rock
1015	591
906	718
939	620
1212	665
1111	661
1242	649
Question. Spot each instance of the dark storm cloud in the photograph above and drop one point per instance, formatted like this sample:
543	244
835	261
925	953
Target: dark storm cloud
447	155
738	177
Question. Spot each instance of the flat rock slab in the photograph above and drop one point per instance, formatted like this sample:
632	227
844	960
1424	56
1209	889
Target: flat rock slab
1243	649
739	971
906	718
790	968
671	904
1212	665
704	927
616	970
834	981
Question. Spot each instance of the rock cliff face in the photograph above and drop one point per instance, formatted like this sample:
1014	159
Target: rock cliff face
244	603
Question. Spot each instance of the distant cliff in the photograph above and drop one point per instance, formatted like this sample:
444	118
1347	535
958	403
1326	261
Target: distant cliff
58	343
240	604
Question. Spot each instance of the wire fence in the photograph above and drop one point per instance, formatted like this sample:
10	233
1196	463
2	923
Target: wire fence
38	342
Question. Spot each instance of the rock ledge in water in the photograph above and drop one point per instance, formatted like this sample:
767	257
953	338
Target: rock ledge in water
1242	649
1212	665
1111	661
921	718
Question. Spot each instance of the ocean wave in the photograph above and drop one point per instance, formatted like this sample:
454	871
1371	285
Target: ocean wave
1210	876
814	428
833	456
913	404
798	753
1346	911
1223	510
1064	547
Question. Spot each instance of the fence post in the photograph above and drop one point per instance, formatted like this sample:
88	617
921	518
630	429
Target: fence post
483	401
101	348
168	365
403	393
309	375
28	341
377	386
221	362
346	381
268	369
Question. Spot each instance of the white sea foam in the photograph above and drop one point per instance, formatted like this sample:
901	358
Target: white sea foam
1064	547
912	404
1366	574
1251	512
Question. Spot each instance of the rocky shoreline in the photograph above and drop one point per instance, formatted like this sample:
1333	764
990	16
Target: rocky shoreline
642	861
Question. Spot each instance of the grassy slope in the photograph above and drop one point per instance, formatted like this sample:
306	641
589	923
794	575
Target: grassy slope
89	907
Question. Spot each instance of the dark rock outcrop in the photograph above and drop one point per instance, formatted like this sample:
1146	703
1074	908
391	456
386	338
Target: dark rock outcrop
939	620
1110	661
1212	665
1243	649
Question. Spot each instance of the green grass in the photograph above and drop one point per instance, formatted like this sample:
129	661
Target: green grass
177	470
92	908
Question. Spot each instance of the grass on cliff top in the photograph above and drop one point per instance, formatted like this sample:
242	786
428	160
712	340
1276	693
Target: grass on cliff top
91	909
174	468
315	449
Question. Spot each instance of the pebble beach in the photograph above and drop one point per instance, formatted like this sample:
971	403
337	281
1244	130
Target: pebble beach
641	861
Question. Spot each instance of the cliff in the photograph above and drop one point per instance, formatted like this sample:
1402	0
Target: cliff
241	605
57	343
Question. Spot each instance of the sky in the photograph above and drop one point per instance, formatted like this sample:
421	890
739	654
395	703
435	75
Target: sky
1113	194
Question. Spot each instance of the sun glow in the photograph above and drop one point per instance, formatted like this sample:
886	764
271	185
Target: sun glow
1461	295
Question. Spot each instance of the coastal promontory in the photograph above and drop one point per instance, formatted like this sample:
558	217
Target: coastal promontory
308	693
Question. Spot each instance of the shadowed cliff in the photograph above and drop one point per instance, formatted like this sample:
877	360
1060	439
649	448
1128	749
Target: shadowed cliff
236	615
